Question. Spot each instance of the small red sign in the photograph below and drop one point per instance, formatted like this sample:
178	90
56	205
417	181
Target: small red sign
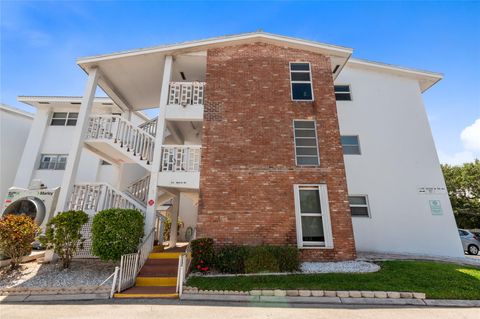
151	202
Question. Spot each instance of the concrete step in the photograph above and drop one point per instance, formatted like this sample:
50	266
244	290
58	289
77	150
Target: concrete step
148	292
156	281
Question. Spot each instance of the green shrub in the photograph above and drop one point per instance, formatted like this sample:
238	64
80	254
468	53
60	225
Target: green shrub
287	258
202	254
116	232
17	232
260	259
231	259
63	234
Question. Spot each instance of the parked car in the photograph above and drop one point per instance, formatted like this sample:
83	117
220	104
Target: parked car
470	241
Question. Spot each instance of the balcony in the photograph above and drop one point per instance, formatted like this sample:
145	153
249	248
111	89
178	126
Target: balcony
180	167
185	101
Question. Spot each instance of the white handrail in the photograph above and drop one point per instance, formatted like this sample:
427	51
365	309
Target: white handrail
184	261
181	158
131	264
100	196
122	132
139	189
150	126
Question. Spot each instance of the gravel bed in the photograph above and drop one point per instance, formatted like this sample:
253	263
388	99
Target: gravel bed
82	272
339	267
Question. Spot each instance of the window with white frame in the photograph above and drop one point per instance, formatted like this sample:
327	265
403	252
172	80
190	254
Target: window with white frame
301	81
64	119
306	145
53	161
342	93
350	144
359	205
312	216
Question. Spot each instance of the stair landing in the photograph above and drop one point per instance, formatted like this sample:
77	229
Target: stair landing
158	276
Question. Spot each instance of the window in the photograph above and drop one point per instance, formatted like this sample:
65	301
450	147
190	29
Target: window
306	148
359	205
312	216
350	144
64	118
301	81
342	93
53	161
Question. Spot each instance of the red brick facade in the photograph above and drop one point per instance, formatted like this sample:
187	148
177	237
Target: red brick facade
248	159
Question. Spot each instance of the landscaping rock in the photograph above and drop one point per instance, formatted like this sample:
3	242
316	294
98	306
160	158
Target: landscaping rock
292	293
355	294
267	292
380	294
318	293
339	267
255	292
367	294
419	295
304	293
279	293
393	295
408	295
343	294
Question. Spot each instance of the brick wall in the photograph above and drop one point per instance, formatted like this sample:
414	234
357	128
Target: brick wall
248	163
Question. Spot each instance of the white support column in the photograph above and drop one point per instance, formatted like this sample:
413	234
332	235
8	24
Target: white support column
77	140
157	152
174	225
31	151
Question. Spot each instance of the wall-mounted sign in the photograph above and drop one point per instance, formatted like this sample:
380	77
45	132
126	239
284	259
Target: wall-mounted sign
432	190
435	207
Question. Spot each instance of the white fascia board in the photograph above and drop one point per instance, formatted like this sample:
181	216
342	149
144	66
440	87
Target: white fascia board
431	77
309	45
14	110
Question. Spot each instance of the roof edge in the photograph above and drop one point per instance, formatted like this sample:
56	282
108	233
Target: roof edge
12	109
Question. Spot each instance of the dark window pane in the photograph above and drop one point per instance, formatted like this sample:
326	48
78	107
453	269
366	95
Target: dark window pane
304	124
351	149
299	66
307	160
306	151
342	88
305	142
343	97
312	228
72	115
357	200
304	133
71	122
359	211
349	139
309	201
60	166
300	76
60	115
58	122
302	91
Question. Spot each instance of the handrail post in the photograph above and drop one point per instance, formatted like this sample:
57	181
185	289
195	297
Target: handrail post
115	274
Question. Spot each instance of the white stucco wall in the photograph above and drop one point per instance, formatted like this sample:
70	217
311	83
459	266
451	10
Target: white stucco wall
14	128
398	157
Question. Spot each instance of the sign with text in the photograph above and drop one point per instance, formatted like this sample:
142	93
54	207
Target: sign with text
436	207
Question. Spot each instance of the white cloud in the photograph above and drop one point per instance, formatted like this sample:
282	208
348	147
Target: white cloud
470	138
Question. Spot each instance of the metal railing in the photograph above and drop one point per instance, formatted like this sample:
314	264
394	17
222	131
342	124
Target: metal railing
186	93
180	158
139	189
130	264
150	127
99	196
184	261
125	133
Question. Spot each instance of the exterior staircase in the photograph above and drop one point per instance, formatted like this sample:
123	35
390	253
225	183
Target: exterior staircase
158	276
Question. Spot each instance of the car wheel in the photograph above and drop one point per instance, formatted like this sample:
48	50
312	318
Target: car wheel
473	250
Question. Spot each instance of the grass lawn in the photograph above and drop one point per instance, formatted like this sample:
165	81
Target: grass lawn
437	280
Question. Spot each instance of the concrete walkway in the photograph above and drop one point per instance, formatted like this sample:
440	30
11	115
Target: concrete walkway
131	309
372	256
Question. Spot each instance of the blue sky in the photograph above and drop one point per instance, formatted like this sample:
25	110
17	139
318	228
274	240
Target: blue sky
40	41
